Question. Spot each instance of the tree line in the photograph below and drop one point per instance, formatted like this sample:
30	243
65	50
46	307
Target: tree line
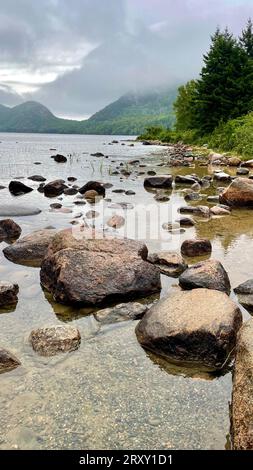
224	89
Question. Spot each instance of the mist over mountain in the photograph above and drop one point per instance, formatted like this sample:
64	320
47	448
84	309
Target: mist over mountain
131	114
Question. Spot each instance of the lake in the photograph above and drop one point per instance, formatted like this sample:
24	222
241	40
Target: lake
110	394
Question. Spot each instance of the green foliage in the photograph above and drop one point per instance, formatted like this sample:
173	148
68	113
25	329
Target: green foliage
184	106
170	136
235	136
225	88
246	39
217	109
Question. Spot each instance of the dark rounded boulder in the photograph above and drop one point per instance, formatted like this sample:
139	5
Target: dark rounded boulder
17	188
161	181
9	230
208	274
93	186
59	158
196	247
54	188
196	328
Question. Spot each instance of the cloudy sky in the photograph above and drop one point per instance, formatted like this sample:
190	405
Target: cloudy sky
76	56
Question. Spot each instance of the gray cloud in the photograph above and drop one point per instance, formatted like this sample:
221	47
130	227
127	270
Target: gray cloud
76	56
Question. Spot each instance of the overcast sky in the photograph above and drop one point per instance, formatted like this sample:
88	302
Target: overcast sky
76	56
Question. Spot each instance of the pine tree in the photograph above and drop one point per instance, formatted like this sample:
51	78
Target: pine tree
246	39
184	106
224	89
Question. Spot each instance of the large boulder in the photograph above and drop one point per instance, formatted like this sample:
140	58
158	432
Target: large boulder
97	271
192	328
8	293
170	263
196	247
242	396
54	188
209	274
7	361
17	188
93	186
239	193
161	181
31	249
51	340
9	230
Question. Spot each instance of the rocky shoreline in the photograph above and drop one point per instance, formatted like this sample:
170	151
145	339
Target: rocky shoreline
198	325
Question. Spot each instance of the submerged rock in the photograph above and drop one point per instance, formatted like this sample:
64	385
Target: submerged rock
192	328
209	274
97	271
116	221
91	196
161	196
9	230
37	178
12	210
196	247
161	181
242	395
193	197
17	188
8	361
121	312
31	249
169	262
218	210
52	340
239	193
8	293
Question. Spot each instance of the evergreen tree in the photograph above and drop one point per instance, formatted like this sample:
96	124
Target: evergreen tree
184	106
246	39
225	86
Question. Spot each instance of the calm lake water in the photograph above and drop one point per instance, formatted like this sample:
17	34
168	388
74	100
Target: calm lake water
110	394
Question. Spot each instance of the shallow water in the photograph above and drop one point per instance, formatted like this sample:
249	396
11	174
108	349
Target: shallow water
110	394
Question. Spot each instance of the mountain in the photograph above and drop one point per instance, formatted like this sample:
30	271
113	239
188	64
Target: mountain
34	117
129	115
133	112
